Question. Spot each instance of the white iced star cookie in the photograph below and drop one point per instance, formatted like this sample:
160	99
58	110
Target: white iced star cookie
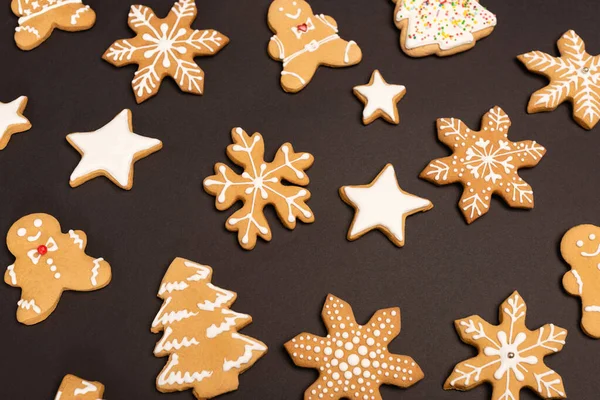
12	120
380	99
111	151
382	205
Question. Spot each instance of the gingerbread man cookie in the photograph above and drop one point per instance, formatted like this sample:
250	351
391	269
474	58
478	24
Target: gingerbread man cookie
303	41
74	388
580	247
47	263
38	18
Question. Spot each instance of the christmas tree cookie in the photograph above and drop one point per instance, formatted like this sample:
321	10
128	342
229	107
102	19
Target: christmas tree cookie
200	334
12	120
74	388
441	27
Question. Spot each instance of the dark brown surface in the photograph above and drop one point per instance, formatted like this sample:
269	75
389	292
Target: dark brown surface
447	269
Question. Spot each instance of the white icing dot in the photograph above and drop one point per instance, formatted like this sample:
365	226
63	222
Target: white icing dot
343	367
353	359
370	341
592	236
376	333
317	349
328	351
22	232
37	223
579	243
49	261
357	371
348	346
347	374
365	363
362	350
53	268
339	354
57	275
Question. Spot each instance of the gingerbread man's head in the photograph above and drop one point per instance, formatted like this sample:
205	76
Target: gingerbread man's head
32	231
285	14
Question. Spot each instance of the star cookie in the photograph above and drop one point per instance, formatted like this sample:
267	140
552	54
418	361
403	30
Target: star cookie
165	47
511	356
111	151
382	205
574	77
380	99
353	360
261	184
74	388
485	162
12	120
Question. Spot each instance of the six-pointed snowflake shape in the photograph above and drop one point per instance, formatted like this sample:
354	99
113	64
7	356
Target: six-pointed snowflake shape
165	47
511	356
485	162
259	185
353	360
574	76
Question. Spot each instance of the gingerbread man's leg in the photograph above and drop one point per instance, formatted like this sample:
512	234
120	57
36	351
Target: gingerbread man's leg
88	275
34	307
340	53
32	33
297	74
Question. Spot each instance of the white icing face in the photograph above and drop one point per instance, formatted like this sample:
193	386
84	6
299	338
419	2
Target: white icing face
292	12
35	233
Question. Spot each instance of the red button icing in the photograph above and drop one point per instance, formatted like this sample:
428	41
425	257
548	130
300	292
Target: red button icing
303	27
42	249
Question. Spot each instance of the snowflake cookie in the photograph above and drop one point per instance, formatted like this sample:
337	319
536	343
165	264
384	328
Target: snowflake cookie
485	162
74	388
111	151
303	41
206	352
353	360
511	356
38	18
165	47
580	247
380	99
261	184
441	27
12	120
382	205
574	77
48	262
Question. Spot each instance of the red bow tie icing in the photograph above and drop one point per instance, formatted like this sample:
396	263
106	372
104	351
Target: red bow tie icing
302	27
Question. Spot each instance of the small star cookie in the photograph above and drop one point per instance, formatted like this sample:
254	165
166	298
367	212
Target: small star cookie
574	77
12	120
511	356
74	388
353	360
380	99
485	162
382	205
111	151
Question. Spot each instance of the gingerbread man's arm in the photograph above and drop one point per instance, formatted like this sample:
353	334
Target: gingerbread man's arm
78	238
10	276
276	49
572	283
329	21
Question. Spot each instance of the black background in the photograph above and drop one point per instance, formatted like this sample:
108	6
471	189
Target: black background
447	270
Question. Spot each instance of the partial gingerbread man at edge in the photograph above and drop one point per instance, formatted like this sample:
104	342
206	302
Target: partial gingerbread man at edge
303	41
48	262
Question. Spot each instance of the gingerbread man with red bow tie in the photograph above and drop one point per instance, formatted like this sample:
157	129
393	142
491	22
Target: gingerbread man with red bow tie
47	263
304	41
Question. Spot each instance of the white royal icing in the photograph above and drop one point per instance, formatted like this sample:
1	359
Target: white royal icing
380	97
9	115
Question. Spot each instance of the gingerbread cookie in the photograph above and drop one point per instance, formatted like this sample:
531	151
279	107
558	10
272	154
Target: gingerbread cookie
380	99
111	151
165	47
206	352
260	184
574	77
74	388
485	163
48	262
303	41
12	120
38	18
353	360
511	356
441	27
580	247
382	205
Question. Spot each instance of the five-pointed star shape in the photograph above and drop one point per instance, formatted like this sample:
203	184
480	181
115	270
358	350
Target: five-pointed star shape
380	99
111	151
382	205
12	120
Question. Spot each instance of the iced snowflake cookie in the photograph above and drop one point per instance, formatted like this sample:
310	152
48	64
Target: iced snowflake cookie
165	47
303	41
353	360
74	388
511	356
261	184
382	205
580	247
111	151
38	18
48	262
574	77
485	163
441	27
12	120
206	352
380	99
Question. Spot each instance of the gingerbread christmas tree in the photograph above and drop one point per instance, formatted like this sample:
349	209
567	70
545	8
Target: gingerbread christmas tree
206	353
